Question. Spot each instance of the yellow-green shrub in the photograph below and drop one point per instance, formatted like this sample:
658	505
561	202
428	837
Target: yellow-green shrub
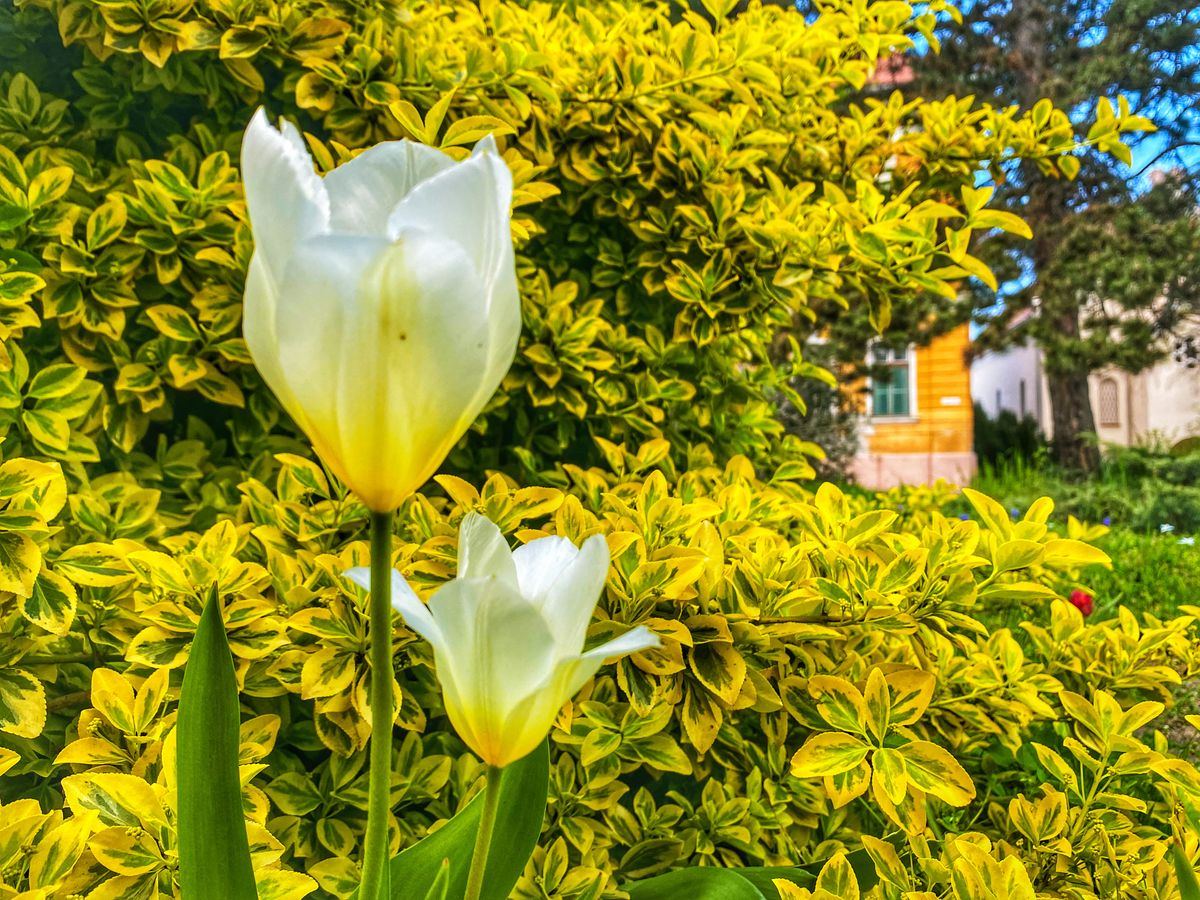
684	191
781	611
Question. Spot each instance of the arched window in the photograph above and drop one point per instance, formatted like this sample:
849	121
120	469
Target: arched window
1110	404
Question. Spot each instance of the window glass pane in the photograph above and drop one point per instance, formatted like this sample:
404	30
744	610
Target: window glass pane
890	392
900	391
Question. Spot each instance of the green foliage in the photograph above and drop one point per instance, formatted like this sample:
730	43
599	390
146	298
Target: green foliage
1140	489
685	188
679	201
1005	437
1151	573
782	612
824	416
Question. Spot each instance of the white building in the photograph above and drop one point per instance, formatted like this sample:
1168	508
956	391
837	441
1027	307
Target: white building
1161	403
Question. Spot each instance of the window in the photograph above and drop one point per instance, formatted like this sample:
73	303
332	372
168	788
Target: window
890	382
1110	406
1023	411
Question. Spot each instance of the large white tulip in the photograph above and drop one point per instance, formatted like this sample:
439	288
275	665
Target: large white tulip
381	303
508	634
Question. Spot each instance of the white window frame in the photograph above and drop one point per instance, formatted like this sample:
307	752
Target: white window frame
913	413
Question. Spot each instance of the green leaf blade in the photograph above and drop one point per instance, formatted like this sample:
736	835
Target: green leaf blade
695	884
214	852
523	790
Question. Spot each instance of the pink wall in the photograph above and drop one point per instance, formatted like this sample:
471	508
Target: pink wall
884	470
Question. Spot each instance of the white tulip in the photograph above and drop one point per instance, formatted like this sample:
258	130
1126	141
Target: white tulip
508	634
381	304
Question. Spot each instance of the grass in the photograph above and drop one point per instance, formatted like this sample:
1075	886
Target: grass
1151	573
1153	513
1137	489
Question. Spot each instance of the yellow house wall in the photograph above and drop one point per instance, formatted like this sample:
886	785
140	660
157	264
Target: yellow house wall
937	425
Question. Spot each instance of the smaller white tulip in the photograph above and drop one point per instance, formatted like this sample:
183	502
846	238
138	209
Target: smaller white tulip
508	634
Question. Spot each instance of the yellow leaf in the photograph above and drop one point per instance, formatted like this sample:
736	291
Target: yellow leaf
93	565
20	562
878	702
92	751
1066	553
150	698
113	697
124	800
994	516
837	877
327	672
59	850
720	668
912	689
701	718
52	603
830	753
1017	554
935	771
889	774
280	884
788	890
22	703
1005	221
839	702
849	785
126	851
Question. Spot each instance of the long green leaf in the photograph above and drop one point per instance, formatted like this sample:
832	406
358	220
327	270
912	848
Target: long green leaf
695	884
523	789
214	854
1189	885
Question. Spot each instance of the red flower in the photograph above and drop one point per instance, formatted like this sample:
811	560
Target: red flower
1083	601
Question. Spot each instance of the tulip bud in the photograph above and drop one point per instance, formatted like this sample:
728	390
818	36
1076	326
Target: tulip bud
508	634
381	303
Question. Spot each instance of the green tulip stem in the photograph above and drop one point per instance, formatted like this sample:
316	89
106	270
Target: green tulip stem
375	881
483	841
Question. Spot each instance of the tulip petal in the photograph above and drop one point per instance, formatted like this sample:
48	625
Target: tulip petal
320	288
533	716
483	551
402	317
258	328
364	191
469	204
490	675
564	582
531	719
417	331
405	601
284	195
